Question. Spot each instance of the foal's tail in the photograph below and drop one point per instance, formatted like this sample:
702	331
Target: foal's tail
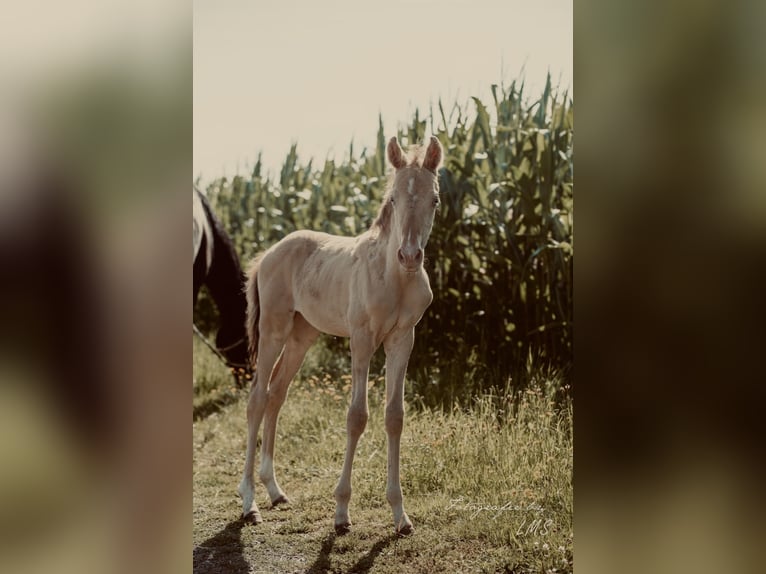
253	309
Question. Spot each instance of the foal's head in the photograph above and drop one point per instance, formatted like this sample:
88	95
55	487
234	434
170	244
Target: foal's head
411	203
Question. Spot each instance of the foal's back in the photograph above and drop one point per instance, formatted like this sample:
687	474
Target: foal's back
310	272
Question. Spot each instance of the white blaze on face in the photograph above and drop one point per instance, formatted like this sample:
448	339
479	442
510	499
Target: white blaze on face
411	237
411	243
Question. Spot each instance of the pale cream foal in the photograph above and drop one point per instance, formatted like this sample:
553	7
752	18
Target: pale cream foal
371	288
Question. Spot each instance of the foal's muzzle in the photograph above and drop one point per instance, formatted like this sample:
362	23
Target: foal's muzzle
411	260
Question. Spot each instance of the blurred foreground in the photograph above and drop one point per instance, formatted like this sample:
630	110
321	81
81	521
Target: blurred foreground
95	155
669	286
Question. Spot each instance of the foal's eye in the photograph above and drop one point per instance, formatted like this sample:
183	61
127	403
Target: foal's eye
392	201
436	202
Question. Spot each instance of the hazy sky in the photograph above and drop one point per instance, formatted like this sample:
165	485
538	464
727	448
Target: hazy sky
270	72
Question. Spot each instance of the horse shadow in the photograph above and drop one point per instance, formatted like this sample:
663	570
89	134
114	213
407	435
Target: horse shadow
212	406
223	550
322	565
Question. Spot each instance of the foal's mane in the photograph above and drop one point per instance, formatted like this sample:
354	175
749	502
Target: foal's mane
415	155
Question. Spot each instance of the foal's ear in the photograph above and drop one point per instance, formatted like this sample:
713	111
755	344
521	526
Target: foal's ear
396	154
433	157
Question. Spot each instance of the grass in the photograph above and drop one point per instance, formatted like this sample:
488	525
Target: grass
488	486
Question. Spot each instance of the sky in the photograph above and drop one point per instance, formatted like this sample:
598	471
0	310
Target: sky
268	73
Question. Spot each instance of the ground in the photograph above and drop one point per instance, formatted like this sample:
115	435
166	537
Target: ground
489	489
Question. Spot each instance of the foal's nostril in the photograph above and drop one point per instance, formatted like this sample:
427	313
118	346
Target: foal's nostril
419	255
400	256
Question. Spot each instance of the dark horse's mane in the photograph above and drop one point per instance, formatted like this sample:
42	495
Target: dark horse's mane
225	281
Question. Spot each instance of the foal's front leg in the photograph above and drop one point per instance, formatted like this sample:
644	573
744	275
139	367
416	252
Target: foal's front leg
358	412
398	347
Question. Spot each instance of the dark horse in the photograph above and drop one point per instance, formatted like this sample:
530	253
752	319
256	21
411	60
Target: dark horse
216	265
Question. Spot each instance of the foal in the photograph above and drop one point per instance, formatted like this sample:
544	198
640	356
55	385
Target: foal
371	288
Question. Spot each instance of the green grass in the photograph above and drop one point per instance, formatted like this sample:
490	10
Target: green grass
513	454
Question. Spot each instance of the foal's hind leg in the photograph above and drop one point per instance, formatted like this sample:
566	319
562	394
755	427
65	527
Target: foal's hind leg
301	338
274	328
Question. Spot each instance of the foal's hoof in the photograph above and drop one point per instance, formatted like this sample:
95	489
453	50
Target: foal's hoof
281	500
405	530
341	529
252	517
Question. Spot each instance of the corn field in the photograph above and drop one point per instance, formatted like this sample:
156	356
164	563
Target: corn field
500	257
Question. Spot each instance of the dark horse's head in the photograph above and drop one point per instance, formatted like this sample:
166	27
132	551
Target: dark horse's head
231	342
216	265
